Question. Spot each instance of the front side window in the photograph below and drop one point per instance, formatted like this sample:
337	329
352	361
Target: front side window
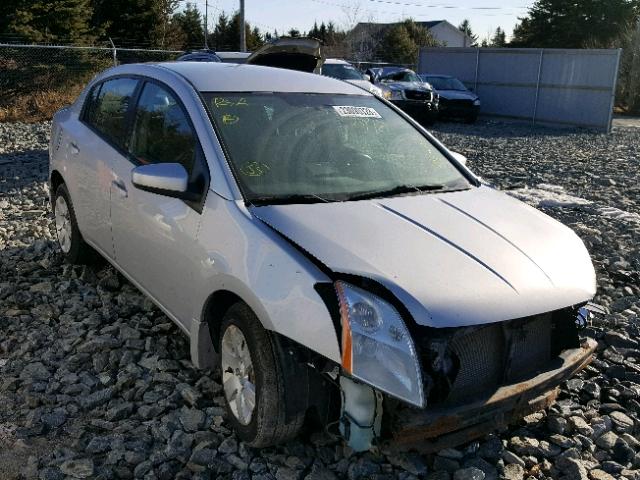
325	147
161	131
107	110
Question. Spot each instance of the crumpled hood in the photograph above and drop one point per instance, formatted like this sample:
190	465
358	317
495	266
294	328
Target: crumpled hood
453	259
457	95
406	86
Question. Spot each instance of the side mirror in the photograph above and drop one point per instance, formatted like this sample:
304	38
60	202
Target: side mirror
367	77
169	179
459	157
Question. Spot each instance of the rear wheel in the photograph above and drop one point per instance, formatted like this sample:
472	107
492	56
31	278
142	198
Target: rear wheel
73	246
255	385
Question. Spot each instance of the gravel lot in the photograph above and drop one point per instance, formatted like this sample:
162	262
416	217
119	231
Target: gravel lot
95	382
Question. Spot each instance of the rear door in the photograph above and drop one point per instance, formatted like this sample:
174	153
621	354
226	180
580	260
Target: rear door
98	143
154	235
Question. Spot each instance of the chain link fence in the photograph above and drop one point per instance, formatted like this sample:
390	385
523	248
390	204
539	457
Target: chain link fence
37	80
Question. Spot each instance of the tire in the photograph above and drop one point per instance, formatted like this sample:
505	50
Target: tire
268	424
73	247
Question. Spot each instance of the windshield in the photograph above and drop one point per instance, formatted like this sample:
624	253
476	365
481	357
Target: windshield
299	147
342	72
401	76
440	83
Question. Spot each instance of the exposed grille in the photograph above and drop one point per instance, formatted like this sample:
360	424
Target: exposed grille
498	354
418	95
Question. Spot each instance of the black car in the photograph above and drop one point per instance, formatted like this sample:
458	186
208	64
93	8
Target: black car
456	100
199	56
408	92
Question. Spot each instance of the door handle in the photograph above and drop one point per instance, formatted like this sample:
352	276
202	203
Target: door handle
73	146
121	187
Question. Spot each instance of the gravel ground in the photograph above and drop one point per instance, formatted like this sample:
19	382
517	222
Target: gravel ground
95	382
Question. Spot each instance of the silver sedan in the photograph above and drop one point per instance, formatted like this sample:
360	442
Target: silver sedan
322	250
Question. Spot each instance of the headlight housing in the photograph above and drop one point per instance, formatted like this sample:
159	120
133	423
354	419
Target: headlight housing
476	102
377	91
376	345
395	95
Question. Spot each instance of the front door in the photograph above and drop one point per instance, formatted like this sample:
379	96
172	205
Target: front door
154	236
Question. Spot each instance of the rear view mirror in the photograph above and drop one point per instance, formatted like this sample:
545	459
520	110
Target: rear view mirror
367	77
170	179
459	157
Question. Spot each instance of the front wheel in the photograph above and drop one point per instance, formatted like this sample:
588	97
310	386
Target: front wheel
255	386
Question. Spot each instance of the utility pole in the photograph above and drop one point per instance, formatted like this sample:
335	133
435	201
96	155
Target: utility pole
243	36
206	24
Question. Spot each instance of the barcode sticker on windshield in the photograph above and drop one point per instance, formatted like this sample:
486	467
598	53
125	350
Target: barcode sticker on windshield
359	112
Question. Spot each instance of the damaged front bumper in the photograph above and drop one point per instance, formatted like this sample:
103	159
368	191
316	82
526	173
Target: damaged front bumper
432	429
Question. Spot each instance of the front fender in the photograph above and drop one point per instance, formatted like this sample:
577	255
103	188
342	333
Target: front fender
247	258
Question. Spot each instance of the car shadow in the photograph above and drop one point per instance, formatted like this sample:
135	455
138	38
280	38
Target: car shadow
21	169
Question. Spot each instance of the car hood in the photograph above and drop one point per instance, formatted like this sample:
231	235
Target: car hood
453	259
405	86
457	95
362	84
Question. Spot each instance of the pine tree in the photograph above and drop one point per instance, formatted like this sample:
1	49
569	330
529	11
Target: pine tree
499	39
191	24
402	42
564	24
140	23
465	27
54	21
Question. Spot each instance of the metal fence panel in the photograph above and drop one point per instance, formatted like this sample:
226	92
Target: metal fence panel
574	87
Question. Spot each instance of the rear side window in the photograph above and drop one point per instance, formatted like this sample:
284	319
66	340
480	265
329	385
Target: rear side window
161	131
108	106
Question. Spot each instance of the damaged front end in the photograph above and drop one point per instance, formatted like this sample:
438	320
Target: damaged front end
474	380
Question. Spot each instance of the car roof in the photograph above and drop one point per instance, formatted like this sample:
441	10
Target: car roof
230	77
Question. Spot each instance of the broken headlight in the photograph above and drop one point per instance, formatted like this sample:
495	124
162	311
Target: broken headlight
376	345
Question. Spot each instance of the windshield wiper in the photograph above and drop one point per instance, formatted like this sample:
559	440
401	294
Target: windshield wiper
286	199
399	190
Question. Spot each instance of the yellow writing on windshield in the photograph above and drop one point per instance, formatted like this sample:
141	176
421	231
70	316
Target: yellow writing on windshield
255	169
229	119
223	102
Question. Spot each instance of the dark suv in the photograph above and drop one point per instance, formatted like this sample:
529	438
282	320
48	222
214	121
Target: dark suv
408	92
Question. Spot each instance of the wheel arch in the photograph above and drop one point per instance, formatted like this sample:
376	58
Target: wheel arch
205	333
55	180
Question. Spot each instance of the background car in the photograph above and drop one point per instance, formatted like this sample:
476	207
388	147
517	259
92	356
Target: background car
456	100
199	56
293	53
343	70
408	92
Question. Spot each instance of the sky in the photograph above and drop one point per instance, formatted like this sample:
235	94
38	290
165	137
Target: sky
484	15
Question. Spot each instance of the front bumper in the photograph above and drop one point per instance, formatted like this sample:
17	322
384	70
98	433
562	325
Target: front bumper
420	111
431	430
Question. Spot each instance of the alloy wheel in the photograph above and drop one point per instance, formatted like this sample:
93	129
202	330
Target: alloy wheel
64	228
238	376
